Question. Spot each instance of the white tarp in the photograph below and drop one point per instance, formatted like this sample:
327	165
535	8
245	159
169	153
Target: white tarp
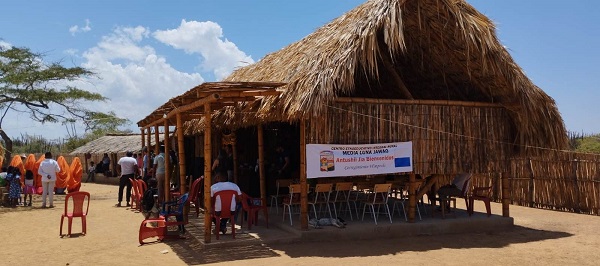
328	160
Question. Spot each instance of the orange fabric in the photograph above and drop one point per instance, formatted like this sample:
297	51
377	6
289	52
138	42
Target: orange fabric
63	176
18	163
30	162
74	183
38	177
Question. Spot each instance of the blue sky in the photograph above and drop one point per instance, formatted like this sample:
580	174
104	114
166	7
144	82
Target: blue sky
145	52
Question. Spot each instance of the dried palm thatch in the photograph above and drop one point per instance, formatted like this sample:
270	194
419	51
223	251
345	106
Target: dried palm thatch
400	49
113	143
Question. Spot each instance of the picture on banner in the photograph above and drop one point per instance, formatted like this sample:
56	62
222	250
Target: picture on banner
329	160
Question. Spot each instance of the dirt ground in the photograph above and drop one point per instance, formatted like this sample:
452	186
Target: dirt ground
541	237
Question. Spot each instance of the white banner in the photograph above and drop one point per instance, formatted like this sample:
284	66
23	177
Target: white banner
328	160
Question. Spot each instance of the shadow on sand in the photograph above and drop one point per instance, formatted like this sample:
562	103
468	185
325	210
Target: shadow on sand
193	252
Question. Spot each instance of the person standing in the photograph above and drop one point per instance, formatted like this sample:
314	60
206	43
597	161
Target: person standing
105	164
159	172
48	169
127	168
91	172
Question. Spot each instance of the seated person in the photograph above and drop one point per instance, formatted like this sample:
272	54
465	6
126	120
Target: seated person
150	200
220	185
454	189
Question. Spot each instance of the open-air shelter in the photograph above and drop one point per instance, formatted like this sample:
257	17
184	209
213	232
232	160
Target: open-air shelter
430	72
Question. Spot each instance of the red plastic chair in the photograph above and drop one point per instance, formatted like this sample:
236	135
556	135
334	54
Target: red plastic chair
158	227
136	196
79	201
226	201
195	194
252	206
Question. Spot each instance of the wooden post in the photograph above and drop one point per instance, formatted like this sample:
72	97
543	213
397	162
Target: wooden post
412	199
156	141
181	154
261	164
207	172
303	185
149	141
167	162
235	161
531	185
143	135
505	195
181	149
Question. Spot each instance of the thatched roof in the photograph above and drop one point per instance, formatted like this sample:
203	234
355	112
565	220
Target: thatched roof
114	143
404	49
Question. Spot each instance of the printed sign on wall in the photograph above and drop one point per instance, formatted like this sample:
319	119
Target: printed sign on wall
328	160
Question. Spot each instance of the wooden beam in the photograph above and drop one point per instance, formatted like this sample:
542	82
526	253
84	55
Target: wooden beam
208	99
261	164
387	63
156	141
505	195
167	185
303	183
207	172
412	199
419	102
181	149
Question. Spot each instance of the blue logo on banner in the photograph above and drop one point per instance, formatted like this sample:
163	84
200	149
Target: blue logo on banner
402	162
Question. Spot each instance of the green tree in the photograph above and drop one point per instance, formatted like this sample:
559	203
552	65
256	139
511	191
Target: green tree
28	84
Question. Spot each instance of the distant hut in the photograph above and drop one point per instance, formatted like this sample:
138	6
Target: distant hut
115	145
431	72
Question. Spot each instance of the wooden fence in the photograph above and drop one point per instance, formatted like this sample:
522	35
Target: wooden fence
562	181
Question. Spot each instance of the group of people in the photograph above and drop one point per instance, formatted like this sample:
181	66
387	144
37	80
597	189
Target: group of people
10	179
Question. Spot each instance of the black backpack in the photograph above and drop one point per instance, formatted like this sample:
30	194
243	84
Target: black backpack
148	199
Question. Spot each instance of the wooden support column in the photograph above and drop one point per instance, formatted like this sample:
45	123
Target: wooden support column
143	135
167	162
156	142
207	172
261	164
181	149
505	195
303	185
235	161
412	198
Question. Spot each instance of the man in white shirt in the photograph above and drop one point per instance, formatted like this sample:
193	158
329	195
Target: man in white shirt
159	173
48	169
127	168
221	185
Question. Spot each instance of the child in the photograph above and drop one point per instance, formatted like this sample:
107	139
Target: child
29	188
14	177
91	172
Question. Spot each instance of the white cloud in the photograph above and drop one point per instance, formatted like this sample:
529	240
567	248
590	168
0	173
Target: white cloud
206	38
132	75
137	79
5	45
76	29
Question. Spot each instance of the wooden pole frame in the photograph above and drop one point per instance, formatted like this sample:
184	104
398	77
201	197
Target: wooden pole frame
261	163
167	163
412	198
303	185
181	154
207	172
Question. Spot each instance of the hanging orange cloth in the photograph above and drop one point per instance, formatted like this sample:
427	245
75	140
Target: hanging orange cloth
63	176
38	178
74	182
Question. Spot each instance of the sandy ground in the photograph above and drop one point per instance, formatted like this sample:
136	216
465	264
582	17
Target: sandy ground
541	237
